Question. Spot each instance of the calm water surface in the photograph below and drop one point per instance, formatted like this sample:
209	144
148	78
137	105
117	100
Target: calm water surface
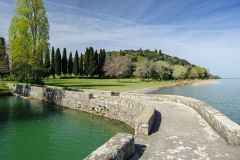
224	96
32	130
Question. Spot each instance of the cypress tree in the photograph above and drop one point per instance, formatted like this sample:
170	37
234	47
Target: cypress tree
96	60
70	64
76	64
53	62
91	67
64	62
47	62
81	68
4	60
58	62
102	57
86	60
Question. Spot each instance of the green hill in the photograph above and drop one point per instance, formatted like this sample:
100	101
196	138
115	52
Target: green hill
158	65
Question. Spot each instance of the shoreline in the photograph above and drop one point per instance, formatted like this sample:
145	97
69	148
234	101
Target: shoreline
177	84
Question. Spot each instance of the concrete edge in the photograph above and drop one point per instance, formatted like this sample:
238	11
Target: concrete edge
119	147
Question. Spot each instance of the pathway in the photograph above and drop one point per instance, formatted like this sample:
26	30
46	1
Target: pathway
183	135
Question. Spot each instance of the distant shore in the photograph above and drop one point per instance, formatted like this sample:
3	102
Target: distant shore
177	83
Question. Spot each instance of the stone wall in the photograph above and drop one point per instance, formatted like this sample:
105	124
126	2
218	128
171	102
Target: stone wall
107	104
222	124
102	103
119	147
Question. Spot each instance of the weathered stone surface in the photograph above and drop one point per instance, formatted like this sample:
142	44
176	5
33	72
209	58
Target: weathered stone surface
228	129
119	147
181	133
145	120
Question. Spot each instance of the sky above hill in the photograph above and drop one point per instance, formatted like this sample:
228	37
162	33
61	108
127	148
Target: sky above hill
205	32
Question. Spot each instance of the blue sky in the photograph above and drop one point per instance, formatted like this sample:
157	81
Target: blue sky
205	32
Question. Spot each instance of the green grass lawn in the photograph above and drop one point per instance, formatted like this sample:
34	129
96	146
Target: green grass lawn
110	84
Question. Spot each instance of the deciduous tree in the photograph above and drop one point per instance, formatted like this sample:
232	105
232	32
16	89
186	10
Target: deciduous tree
28	37
118	66
179	72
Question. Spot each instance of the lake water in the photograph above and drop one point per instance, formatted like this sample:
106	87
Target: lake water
32	130
224	96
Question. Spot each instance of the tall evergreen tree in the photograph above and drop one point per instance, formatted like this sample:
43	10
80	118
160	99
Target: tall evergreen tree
64	62
52	70
92	63
76	64
102	57
58	62
96	61
86	62
47	62
4	61
70	64
81	67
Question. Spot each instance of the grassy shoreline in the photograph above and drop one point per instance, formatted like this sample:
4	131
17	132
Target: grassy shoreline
125	85
113	85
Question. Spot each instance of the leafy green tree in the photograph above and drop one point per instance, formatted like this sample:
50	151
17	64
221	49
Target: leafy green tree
70	64
193	73
52	70
76	64
58	63
64	62
81	66
28	37
202	72
144	69
179	72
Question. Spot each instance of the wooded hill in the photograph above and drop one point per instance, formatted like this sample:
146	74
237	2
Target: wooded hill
157	65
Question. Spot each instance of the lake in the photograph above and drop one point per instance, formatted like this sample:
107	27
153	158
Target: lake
30	129
224	95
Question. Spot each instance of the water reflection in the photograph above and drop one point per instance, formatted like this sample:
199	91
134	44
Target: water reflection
18	108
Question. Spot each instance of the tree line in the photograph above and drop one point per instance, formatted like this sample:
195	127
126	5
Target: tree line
147	64
89	64
31	60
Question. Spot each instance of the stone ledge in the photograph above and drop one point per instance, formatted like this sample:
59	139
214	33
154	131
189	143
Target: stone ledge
228	129
119	147
144	122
